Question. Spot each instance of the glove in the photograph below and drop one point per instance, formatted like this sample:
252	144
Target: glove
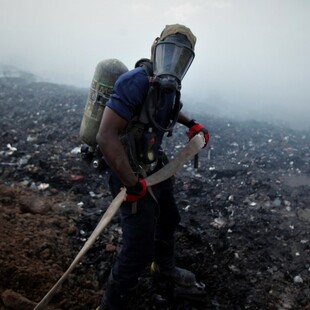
195	128
133	193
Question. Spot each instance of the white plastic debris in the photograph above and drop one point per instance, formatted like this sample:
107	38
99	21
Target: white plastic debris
11	148
234	268
31	138
92	194
209	154
76	150
298	279
43	186
218	223
231	198
187	208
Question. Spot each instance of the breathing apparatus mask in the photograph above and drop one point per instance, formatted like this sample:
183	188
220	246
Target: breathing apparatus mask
172	54
172	58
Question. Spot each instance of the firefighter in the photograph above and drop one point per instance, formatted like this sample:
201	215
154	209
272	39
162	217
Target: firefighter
142	109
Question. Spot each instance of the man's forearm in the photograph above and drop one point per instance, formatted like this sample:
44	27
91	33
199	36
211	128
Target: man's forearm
112	148
115	156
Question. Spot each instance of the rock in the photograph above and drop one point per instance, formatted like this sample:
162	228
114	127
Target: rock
34	206
16	301
110	247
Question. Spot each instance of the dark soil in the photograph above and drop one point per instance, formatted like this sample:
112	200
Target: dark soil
245	210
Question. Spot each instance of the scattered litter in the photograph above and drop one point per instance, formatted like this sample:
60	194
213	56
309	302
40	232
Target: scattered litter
76	177
76	150
231	198
245	179
298	279
218	223
43	186
32	138
277	202
234	268
11	149
186	208
92	194
23	161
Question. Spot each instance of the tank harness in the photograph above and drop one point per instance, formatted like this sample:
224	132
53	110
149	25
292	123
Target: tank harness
139	138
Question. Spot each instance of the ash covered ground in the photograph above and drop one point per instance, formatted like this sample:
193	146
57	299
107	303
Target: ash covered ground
245	210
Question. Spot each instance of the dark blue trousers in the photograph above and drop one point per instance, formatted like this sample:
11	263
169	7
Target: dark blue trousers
153	220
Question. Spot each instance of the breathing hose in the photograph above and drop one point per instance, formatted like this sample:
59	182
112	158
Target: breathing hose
153	101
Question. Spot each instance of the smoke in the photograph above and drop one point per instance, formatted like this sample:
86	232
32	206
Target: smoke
252	57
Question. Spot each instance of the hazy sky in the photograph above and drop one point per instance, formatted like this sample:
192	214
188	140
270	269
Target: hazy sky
252	56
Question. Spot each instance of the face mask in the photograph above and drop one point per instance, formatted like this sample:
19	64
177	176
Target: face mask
172	58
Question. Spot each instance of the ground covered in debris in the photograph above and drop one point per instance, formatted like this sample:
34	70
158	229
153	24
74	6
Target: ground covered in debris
245	210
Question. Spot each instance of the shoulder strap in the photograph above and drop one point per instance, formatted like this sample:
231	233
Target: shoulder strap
146	64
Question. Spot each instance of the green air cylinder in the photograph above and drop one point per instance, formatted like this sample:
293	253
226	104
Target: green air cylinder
106	73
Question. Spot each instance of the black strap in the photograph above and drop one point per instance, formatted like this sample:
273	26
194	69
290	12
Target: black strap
146	64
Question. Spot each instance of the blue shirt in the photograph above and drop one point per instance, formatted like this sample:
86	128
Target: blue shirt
129	94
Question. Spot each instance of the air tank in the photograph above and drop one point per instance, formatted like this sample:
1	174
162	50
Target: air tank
106	73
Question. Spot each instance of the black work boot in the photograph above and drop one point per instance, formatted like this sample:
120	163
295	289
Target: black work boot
173	285
116	296
164	266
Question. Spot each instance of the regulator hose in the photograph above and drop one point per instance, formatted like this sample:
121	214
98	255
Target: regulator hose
153	104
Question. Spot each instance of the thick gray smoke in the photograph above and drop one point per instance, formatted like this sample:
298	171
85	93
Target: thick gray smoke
252	57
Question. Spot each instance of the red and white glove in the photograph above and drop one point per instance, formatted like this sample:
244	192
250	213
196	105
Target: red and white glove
134	193
195	128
